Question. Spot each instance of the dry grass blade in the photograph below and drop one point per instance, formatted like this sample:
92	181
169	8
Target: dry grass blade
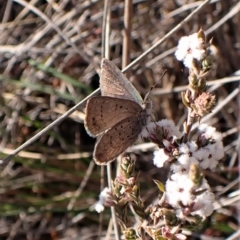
50	54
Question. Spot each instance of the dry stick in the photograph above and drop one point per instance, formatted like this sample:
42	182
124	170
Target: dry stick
54	26
102	172
106	29
102	184
81	186
217	83
127	34
80	104
126	47
15	228
106	53
186	7
6	16
228	187
233	12
227	202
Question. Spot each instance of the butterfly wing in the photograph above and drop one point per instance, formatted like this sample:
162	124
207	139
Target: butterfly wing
116	140
103	113
114	84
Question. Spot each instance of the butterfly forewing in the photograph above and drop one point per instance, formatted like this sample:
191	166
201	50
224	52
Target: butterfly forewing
114	84
117	139
103	113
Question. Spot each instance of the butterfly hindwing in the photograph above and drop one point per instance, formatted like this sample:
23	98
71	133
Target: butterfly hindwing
117	139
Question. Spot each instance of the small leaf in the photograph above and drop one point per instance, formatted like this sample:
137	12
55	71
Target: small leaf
160	185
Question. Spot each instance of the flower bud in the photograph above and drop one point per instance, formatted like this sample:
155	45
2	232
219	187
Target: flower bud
204	104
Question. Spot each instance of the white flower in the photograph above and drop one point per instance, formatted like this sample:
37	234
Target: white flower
190	48
198	54
205	163
210	154
179	190
215	150
188	61
176	168
213	164
149	129
183	48
193	160
151	126
195	41
203	205
99	207
170	127
217	136
160	157
183	159
192	146
188	198
218	153
198	154
104	200
183	148
210	132
202	155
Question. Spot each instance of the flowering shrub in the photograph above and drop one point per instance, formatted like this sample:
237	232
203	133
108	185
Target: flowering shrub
186	198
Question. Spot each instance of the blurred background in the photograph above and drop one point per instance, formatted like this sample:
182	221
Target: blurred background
50	52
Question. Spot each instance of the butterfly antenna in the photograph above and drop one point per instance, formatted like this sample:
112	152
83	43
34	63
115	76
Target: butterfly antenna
147	95
152	118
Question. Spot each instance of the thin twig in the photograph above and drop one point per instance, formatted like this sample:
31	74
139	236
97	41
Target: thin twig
127	34
105	29
81	186
233	12
106	54
216	83
186	7
6	16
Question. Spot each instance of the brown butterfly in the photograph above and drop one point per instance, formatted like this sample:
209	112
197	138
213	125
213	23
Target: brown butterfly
118	116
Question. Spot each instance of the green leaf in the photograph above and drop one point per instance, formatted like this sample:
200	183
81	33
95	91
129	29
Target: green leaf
160	185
